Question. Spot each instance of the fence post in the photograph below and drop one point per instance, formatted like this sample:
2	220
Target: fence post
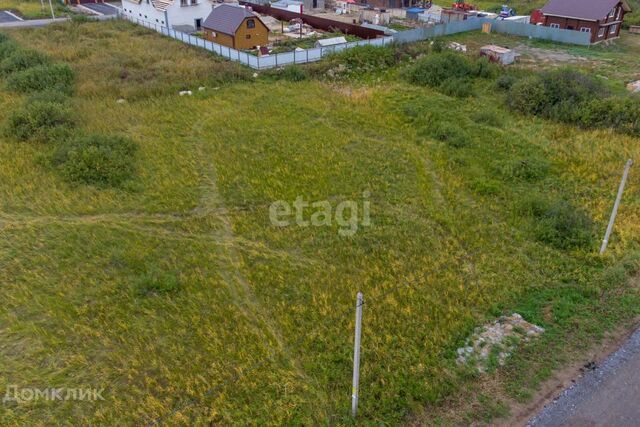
355	390
616	205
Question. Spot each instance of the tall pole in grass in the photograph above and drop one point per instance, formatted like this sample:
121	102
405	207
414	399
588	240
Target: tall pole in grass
53	16
616	205
355	390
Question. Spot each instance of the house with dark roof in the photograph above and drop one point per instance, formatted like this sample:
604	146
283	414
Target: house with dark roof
235	27
602	19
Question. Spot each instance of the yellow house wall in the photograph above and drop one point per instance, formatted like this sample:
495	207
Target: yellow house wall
259	36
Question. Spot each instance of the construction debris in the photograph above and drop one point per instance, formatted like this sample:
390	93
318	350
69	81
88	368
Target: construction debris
634	87
490	345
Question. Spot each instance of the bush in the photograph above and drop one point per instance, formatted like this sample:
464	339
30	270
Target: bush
367	58
56	77
22	59
434	69
40	120
293	73
102	160
564	226
554	94
505	81
621	114
485	69
458	87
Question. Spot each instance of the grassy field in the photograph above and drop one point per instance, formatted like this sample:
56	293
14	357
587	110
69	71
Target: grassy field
179	298
32	9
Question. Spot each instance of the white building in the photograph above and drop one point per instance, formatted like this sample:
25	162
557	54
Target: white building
177	14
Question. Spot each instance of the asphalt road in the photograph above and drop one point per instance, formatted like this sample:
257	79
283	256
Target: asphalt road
607	396
101	8
7	17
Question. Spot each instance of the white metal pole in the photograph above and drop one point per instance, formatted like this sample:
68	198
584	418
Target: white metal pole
53	16
616	205
356	356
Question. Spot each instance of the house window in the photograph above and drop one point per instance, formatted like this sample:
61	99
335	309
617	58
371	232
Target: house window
248	36
614	28
194	2
251	23
184	2
199	24
601	32
619	14
612	13
554	25
585	30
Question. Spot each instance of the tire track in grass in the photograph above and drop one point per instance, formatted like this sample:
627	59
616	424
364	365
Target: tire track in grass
211	203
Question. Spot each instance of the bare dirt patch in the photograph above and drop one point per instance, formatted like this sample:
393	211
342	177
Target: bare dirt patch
550	57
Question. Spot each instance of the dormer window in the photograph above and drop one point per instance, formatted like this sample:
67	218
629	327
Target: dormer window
251	23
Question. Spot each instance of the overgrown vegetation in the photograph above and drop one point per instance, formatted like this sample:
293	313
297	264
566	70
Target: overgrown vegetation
182	299
41	119
574	97
449	72
102	160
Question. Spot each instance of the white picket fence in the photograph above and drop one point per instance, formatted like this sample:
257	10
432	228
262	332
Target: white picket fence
258	62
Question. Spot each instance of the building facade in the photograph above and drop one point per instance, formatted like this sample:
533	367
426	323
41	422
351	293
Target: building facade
602	19
235	27
184	15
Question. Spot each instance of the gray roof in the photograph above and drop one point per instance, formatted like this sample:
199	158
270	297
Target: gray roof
226	18
591	10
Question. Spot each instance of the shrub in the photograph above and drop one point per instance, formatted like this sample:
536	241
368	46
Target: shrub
22	59
564	226
293	73
367	58
56	77
554	94
102	160
458	87
504	82
40	120
434	69
4	38
438	46
621	114
485	69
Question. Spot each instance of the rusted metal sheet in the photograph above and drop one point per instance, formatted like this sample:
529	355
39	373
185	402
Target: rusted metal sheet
316	21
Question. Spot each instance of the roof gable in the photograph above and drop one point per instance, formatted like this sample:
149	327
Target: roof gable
226	18
591	10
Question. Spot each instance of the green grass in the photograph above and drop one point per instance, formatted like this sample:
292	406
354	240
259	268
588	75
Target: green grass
33	9
180	298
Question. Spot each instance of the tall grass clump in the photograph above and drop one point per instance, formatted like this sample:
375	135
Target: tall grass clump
451	73
56	77
41	119
100	160
7	46
354	62
22	59
563	226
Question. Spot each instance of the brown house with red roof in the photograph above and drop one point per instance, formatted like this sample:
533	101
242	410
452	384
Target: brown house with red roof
600	18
